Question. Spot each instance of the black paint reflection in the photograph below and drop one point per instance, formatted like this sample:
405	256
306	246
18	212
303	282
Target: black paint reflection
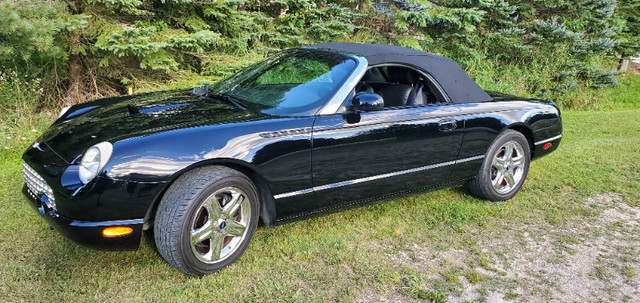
379	143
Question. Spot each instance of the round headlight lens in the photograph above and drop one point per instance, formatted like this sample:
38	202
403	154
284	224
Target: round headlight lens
94	160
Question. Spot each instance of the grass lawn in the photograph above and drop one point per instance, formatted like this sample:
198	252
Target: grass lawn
440	246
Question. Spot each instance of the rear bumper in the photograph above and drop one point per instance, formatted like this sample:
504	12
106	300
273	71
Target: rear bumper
88	233
546	146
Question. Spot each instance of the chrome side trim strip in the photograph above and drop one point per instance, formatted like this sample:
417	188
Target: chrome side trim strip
294	193
383	176
470	159
105	223
376	177
547	140
335	102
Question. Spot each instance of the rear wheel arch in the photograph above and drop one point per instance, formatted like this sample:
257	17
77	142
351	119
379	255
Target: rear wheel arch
267	202
526	131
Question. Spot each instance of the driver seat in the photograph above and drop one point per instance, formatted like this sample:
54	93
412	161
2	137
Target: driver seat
402	90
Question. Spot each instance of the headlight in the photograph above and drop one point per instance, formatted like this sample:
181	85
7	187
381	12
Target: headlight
94	160
63	110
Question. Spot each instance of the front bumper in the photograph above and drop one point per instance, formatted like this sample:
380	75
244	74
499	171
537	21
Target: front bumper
88	233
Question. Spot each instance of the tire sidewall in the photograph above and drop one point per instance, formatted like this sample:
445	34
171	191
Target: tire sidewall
184	244
485	175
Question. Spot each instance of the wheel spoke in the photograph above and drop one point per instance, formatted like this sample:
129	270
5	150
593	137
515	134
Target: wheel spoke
201	233
235	228
497	182
508	151
508	176
213	208
518	161
216	246
233	205
498	163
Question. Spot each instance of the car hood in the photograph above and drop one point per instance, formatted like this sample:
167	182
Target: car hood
120	118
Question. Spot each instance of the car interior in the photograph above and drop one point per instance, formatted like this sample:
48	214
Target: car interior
398	86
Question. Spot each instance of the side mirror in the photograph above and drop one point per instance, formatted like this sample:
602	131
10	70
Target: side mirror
367	102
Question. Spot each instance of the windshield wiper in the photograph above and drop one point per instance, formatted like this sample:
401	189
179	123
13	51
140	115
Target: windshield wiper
204	91
230	100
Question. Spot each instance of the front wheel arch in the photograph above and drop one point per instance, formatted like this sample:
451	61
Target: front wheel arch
267	202
207	219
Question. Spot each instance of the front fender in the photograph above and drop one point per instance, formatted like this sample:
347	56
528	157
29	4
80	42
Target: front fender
277	149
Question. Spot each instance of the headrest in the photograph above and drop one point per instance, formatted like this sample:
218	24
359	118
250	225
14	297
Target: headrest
373	75
402	75
366	75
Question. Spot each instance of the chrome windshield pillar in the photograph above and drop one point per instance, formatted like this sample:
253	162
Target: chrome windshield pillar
332	106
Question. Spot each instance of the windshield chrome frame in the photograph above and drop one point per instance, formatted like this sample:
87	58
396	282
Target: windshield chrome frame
335	102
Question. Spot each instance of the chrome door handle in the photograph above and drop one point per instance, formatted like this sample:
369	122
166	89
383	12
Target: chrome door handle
447	125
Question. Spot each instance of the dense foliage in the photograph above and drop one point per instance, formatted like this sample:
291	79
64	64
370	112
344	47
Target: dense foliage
75	50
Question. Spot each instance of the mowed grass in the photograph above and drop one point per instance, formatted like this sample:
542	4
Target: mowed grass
344	256
627	95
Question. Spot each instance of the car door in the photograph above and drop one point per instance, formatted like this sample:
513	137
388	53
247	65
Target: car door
365	155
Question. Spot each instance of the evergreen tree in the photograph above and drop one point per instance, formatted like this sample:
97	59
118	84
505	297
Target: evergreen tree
132	41
33	42
92	48
570	35
628	14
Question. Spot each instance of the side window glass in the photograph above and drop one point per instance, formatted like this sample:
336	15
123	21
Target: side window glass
399	86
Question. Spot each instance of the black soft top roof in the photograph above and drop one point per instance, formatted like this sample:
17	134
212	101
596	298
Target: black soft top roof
451	77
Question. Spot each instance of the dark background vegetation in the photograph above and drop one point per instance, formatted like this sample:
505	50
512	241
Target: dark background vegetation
58	53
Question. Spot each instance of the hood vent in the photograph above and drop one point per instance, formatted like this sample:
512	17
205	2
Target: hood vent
154	110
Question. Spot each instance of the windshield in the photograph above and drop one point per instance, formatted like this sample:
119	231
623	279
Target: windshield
294	82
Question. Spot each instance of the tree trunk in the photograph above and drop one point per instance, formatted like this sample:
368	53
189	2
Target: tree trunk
624	64
76	89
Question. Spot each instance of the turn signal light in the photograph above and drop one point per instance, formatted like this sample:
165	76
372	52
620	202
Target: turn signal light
117	231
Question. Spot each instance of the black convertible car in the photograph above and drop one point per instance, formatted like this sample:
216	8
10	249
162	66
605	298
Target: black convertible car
308	130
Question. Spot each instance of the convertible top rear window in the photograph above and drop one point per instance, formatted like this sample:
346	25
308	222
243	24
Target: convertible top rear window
296	82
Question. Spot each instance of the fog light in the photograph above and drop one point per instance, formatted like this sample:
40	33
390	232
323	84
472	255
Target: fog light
117	231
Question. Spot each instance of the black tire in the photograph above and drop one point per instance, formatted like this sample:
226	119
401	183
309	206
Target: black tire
187	211
487	184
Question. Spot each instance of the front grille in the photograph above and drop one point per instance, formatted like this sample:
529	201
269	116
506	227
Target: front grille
35	183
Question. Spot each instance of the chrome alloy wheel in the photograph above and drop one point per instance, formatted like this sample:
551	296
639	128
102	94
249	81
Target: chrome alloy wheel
220	225
507	168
